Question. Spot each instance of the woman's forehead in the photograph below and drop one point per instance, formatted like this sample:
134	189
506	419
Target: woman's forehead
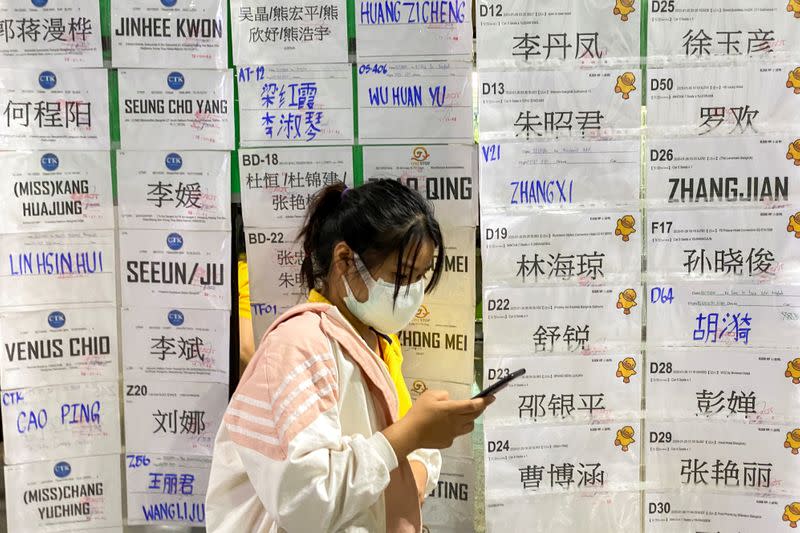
415	255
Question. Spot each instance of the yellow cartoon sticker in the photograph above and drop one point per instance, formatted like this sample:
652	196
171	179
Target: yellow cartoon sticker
794	7
624	438
627	301
626	368
791	514
794	80
625	227
626	84
418	387
793	441
794	225
794	152
623	8
793	370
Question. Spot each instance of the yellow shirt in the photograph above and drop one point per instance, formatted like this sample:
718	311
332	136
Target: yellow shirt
392	356
244	291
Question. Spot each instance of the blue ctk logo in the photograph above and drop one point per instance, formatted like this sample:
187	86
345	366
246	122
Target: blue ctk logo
56	319
49	162
169	3
39	3
174	241
62	469
47	80
174	162
175	81
175	317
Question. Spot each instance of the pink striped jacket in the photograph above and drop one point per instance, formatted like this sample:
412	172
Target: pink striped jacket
300	448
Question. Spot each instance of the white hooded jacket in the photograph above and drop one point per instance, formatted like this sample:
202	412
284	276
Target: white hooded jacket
300	448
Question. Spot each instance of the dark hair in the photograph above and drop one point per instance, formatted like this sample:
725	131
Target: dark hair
374	220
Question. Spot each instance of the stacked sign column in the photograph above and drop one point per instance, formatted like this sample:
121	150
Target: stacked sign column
295	133
723	267
561	229
58	323
415	122
173	171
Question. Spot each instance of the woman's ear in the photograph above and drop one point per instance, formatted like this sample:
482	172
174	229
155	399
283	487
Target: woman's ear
341	258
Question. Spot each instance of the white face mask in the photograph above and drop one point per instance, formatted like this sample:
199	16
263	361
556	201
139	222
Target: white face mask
381	312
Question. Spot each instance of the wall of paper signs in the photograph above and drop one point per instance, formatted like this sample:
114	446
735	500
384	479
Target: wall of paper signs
598	219
638	234
116	139
396	102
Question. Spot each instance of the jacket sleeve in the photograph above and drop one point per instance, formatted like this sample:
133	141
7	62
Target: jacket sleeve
432	460
284	421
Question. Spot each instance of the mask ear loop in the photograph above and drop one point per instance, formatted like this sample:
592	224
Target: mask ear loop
363	271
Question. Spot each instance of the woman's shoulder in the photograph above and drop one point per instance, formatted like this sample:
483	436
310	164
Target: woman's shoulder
299	329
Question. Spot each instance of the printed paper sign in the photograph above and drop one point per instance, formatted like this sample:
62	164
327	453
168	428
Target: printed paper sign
185	110
175	345
723	101
45	191
445	175
191	268
553	32
754	245
65	495
401	103
562	320
179	190
278	185
169	34
741	171
723	384
54	109
457	283
67	267
722	455
564	247
166	489
296	105
440	343
720	314
462	446
270	32
61	421
520	177
277	257
53	346
63	34
679	511
557	390
449	508
531	104
617	512
414	30
173	418
531	460
722	29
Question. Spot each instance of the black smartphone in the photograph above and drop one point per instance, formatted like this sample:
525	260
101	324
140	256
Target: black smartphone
496	387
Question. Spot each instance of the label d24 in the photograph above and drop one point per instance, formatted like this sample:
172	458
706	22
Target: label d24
497	446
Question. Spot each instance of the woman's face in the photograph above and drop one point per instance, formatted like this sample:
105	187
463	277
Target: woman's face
388	272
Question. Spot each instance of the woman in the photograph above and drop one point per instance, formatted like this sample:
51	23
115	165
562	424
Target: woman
320	435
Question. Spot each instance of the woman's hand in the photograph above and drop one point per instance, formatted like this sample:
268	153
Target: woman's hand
434	421
421	478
